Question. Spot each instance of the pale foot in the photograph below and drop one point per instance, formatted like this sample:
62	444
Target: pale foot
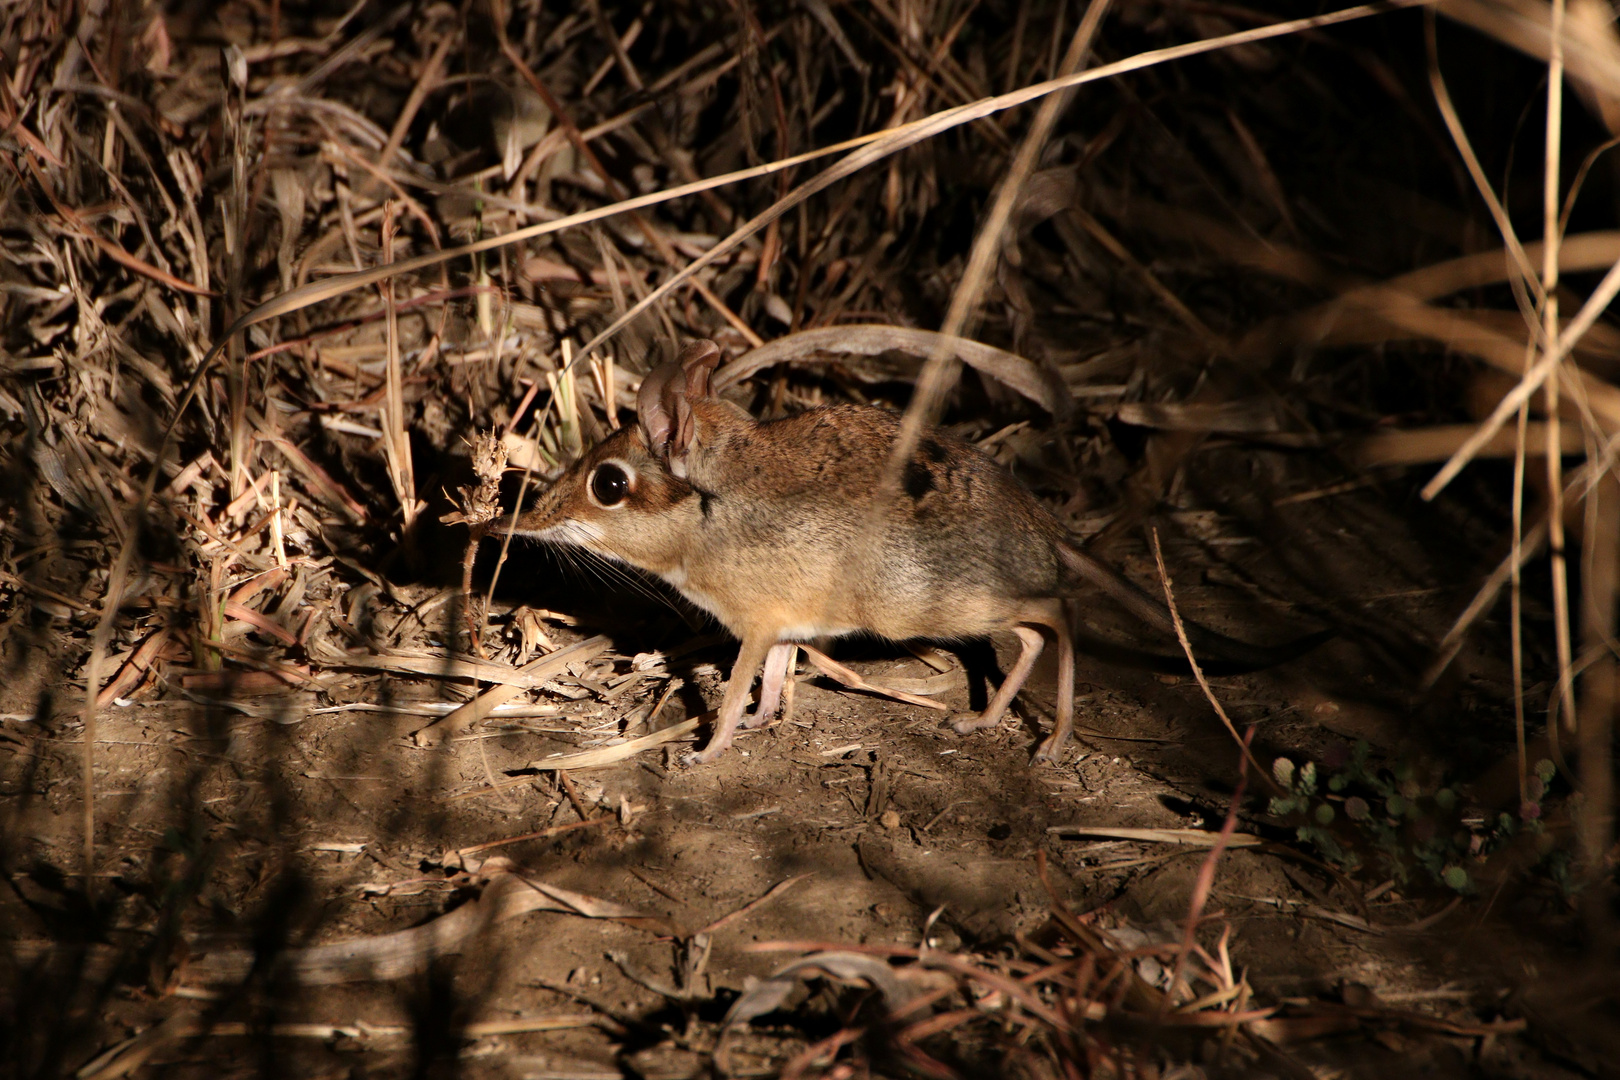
1049	751
978	722
703	757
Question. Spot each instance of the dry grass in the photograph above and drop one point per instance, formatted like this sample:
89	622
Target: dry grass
278	280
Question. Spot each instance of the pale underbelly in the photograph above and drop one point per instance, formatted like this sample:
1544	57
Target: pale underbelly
801	622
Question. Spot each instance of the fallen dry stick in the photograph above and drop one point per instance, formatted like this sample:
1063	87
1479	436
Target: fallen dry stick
531	673
440	666
610	755
134	668
1189	837
806	346
855	681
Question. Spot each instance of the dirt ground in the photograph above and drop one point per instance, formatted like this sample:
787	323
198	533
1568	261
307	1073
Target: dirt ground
295	819
1250	298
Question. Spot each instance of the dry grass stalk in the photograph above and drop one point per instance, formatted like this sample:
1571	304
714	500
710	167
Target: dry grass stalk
855	681
1580	486
881	144
1521	442
1552	162
156	191
611	755
1188	837
396	440
1198	672
1525	273
1205	882
1418	446
938	375
1587	45
1533	380
871	149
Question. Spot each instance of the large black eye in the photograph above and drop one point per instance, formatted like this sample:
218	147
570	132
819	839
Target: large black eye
609	484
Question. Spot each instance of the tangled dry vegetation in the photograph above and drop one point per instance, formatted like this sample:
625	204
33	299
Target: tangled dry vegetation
1281	308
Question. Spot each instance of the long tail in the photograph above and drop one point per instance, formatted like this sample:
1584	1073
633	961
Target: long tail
1085	568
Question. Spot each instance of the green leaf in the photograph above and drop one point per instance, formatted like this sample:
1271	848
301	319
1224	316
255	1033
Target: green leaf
1283	770
1546	770
1445	798
1395	805
1324	813
1455	878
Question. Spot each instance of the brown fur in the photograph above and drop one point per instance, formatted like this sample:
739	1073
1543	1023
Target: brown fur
775	529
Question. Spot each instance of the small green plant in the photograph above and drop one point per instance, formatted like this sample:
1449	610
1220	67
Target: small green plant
1392	819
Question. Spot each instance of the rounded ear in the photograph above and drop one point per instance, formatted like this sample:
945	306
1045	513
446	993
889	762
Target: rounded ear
698	360
664	403
654	407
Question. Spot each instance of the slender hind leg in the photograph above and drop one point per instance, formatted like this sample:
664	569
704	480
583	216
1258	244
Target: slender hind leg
1052	748
777	663
1032	643
749	658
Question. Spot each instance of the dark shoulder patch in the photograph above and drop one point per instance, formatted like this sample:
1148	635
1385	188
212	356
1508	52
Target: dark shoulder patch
919	481
704	499
934	450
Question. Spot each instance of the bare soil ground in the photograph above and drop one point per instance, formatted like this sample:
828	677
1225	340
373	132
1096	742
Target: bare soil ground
1247	300
855	822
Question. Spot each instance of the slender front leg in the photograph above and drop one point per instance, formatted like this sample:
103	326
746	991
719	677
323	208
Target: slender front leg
1032	644
749	658
1052	748
778	664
